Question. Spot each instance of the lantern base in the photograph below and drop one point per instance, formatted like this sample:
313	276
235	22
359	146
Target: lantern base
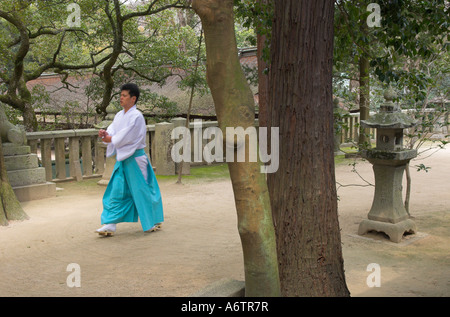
395	231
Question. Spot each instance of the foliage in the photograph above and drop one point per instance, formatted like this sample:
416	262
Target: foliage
115	40
256	15
411	32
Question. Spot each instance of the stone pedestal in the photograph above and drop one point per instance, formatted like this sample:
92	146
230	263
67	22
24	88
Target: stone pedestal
388	213
27	179
394	231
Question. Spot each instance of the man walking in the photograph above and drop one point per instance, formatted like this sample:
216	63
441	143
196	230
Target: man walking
133	192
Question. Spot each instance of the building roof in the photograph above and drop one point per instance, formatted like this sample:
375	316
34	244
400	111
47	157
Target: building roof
60	97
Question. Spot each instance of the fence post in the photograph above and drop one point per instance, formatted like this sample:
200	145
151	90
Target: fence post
163	146
74	158
46	158
60	158
99	158
181	122
86	154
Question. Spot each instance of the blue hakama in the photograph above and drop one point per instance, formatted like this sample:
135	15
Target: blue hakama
128	197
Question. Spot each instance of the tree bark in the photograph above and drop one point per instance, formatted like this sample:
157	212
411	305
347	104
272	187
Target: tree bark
29	116
116	22
303	191
235	107
263	78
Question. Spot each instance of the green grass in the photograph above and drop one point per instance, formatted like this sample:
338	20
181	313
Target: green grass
208	172
197	173
340	159
87	186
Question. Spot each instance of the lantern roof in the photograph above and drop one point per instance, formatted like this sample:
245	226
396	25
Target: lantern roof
390	115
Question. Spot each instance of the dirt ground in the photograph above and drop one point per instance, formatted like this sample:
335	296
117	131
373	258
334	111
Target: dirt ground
199	243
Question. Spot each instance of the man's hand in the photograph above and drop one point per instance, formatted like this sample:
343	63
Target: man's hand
101	133
104	136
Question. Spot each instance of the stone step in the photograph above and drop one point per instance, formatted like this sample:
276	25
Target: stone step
35	191
21	162
14	149
27	177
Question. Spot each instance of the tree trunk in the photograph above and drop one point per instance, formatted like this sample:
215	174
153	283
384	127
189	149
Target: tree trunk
10	208
408	187
235	107
107	75
191	98
263	78
364	100
303	191
29	118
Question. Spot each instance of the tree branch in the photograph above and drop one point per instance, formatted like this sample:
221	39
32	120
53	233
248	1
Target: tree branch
150	12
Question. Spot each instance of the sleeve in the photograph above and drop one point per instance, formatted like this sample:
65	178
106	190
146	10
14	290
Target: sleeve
127	135
110	129
110	148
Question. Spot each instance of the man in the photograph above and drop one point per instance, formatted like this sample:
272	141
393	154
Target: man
133	192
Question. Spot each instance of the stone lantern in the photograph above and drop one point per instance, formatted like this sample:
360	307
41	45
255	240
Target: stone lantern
389	159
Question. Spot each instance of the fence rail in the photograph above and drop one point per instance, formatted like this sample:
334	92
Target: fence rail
79	153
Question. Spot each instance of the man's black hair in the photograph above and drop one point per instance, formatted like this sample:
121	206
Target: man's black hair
132	89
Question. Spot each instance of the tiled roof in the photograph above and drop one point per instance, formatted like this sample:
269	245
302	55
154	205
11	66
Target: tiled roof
60	96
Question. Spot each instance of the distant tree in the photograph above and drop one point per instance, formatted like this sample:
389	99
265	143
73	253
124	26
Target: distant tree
114	41
23	24
144	46
408	33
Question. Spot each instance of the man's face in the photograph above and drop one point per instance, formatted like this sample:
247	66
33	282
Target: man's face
126	101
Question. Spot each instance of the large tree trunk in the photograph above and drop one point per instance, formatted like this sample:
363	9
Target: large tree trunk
10	208
303	191
235	107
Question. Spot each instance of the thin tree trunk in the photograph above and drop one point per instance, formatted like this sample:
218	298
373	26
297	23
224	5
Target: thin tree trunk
408	188
188	117
235	107
107	76
303	190
364	100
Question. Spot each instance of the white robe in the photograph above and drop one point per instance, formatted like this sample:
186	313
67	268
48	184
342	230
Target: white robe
128	131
